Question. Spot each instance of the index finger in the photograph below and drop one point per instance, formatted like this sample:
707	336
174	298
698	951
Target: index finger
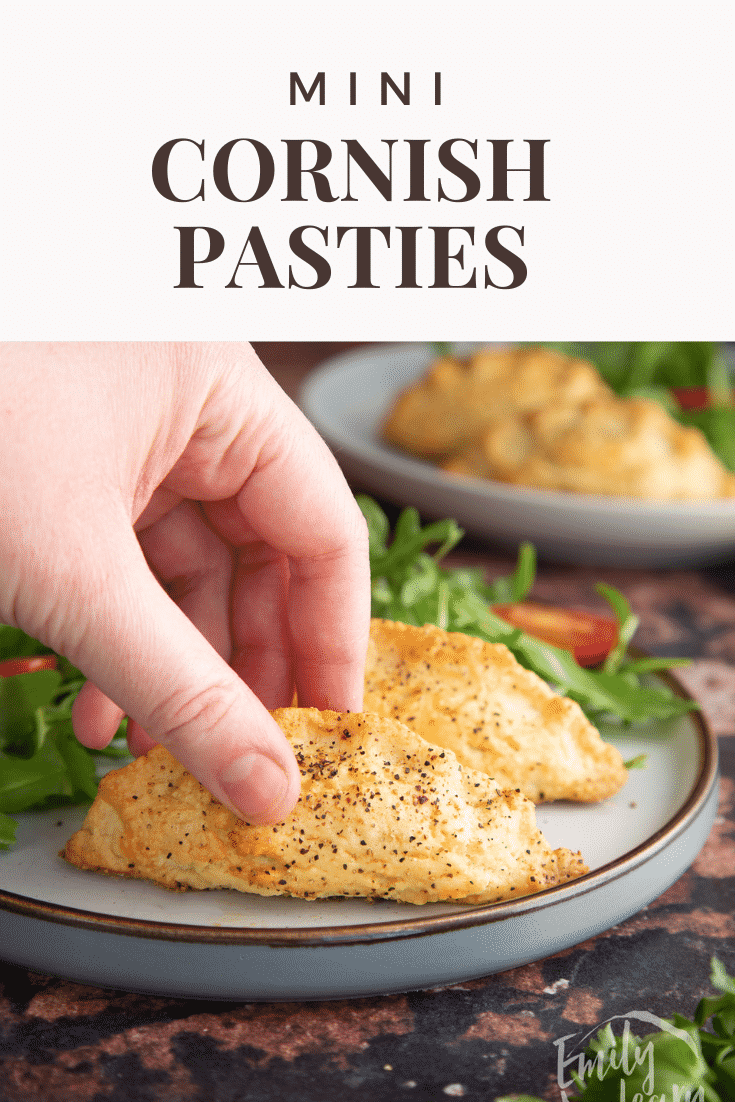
294	498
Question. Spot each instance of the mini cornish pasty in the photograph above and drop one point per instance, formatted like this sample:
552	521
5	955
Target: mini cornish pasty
533	417
382	814
474	698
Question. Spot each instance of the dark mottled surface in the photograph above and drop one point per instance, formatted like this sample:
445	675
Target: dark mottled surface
60	1041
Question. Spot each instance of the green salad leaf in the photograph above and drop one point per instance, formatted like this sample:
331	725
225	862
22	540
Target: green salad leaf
21	698
7	830
630	367
42	763
718	426
410	585
689	1062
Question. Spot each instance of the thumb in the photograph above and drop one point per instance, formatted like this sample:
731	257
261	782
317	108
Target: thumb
140	650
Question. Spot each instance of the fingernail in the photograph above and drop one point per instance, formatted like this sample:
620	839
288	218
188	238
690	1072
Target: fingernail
254	786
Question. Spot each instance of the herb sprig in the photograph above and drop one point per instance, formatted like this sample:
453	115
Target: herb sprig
410	585
700	1065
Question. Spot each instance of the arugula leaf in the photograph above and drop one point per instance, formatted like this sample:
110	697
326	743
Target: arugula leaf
14	643
7	831
655	1063
720	979
377	524
702	1062
718	426
27	782
519	1098
21	698
506	591
627	626
80	766
42	763
631	365
409	585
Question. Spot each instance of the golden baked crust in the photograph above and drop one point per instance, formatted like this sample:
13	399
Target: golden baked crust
474	698
620	447
381	814
451	405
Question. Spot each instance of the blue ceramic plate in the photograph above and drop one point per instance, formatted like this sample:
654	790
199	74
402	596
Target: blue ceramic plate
228	945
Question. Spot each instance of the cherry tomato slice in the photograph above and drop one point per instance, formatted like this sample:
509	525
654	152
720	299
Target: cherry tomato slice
12	666
589	637
692	397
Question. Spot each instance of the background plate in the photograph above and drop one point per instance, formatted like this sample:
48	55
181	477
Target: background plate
229	945
347	399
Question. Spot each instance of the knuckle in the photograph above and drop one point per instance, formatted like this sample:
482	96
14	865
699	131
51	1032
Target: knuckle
190	717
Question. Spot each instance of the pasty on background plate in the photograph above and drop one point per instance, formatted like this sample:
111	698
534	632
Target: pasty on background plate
473	697
450	406
533	417
381	814
620	447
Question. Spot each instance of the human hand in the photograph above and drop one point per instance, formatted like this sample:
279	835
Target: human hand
176	528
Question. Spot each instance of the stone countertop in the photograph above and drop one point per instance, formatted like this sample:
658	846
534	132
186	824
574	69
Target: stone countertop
61	1041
